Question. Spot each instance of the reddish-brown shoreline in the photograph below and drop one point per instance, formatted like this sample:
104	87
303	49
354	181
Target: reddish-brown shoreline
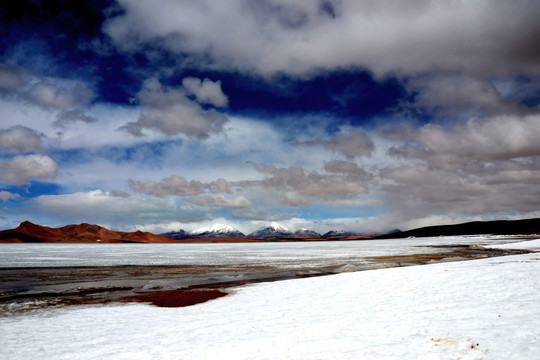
176	298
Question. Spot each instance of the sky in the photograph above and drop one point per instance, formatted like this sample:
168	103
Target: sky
323	114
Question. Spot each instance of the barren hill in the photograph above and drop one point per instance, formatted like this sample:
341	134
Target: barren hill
82	233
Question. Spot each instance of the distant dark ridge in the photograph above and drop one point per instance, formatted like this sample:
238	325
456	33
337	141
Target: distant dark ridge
176	235
497	227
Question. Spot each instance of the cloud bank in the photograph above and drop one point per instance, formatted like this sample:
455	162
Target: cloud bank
486	38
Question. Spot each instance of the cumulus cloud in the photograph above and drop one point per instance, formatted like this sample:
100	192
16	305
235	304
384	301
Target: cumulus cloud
206	91
105	207
119	193
51	96
20	138
11	79
297	186
23	167
348	168
6	195
297	37
178	186
221	201
170	111
352	144
455	93
259	214
483	165
494	138
67	117
420	190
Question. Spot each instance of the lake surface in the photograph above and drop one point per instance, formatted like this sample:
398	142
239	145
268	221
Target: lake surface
282	254
43	275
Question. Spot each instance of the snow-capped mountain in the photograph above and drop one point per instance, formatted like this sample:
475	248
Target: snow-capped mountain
177	235
274	230
306	233
217	231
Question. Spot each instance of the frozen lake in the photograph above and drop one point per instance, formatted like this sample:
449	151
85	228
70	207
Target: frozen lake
478	309
74	273
280	254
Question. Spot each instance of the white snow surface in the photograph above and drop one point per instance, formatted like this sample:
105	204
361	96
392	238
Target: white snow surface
215	229
282	254
478	309
278	227
526	245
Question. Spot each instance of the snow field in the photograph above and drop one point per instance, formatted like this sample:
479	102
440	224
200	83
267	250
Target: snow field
480	309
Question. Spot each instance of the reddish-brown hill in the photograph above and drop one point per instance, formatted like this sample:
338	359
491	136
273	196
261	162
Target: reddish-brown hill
83	233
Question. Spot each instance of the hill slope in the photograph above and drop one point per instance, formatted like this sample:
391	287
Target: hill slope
497	227
82	233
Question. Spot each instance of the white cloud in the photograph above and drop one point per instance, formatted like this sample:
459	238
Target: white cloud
6	195
456	93
169	111
20	138
178	186
297	37
106	207
119	193
494	138
51	96
23	167
11	79
206	91
297	186
67	117
352	144
221	201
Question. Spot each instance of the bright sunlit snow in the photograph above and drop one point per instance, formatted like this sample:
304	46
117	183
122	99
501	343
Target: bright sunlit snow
478	309
281	254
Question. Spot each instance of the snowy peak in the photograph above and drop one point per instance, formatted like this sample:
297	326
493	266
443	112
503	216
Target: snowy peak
306	233
274	230
217	230
277	227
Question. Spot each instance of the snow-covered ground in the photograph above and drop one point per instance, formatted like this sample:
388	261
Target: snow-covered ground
281	254
478	309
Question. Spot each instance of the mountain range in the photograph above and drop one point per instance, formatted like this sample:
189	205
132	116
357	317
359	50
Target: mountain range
272	231
28	232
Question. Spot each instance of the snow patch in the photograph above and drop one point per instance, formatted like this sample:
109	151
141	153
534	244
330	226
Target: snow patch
215	229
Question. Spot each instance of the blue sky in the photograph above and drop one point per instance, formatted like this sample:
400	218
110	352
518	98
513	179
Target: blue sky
322	114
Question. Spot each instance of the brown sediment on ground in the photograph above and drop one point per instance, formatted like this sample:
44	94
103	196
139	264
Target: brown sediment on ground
457	253
175	298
